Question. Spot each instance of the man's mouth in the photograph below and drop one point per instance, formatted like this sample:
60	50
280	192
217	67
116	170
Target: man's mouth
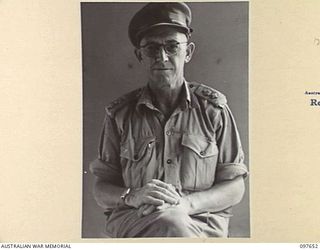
161	69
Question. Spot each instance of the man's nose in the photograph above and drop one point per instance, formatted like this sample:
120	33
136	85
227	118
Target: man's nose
162	55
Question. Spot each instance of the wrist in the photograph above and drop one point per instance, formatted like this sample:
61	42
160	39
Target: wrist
186	203
131	198
124	195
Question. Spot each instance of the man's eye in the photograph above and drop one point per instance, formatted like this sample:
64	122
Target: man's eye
171	47
151	47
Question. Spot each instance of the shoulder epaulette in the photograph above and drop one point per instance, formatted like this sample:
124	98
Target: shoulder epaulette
120	102
213	96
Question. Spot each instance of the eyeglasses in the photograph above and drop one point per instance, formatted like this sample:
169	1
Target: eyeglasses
152	49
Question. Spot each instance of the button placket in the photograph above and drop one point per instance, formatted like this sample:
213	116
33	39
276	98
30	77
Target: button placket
168	134
168	156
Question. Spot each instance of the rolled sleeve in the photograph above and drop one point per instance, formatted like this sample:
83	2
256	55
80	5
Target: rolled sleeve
231	157
107	165
104	171
230	171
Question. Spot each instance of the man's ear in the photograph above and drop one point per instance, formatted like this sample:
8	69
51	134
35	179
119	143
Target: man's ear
190	49
137	52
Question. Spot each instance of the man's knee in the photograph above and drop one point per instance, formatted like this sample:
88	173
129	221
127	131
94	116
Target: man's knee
172	216
176	223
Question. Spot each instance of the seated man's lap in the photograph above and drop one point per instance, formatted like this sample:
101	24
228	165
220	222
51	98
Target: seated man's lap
170	222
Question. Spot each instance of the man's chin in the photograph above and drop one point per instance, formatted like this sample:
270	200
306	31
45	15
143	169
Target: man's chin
162	74
161	84
164	80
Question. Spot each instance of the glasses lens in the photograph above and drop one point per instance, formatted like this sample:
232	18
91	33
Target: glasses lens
171	48
152	49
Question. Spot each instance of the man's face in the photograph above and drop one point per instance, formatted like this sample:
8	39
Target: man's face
163	53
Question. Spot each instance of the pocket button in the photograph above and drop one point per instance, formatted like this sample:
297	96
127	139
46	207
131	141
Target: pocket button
169	132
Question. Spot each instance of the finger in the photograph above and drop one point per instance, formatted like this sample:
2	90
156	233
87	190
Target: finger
149	209
167	186
164	206
153	200
164	197
175	190
141	209
171	193
159	183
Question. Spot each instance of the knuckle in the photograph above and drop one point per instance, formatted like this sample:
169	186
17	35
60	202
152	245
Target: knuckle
154	181
150	185
148	199
156	188
155	194
165	191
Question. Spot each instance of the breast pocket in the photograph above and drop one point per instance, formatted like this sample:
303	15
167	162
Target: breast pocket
135	157
198	162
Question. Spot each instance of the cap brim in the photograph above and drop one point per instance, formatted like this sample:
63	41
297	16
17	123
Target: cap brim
178	26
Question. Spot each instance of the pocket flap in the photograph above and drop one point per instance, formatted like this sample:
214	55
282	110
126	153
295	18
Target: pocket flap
134	150
200	145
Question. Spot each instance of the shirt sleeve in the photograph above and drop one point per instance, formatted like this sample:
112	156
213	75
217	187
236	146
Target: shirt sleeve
107	165
231	156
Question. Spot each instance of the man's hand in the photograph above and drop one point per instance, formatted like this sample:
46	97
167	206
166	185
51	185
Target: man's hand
183	204
220	196
154	193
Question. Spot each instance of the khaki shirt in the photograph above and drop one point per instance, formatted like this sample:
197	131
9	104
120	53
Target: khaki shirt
195	148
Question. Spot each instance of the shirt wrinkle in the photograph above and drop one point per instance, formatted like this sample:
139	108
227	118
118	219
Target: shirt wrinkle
190	150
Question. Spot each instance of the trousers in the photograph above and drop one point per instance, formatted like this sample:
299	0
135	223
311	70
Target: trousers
126	222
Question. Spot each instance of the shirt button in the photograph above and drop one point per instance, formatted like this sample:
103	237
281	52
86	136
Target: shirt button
169	161
202	153
169	132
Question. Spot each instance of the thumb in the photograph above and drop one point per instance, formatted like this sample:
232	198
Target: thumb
148	210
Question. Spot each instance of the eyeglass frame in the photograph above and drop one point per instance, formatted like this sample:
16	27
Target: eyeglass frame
162	45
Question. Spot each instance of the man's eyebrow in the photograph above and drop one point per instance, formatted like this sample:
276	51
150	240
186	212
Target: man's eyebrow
155	42
151	40
166	41
175	41
172	40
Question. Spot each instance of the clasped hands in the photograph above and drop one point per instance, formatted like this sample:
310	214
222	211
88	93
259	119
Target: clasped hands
155	195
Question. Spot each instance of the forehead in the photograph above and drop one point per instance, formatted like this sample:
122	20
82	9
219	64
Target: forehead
163	34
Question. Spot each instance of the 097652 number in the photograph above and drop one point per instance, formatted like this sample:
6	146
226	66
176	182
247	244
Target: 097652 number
308	245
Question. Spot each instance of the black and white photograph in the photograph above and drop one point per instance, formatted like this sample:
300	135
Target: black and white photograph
159	122
165	120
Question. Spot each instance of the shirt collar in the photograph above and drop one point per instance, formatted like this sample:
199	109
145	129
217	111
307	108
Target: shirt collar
146	99
190	96
187	98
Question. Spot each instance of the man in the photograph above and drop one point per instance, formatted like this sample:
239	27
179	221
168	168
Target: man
170	160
